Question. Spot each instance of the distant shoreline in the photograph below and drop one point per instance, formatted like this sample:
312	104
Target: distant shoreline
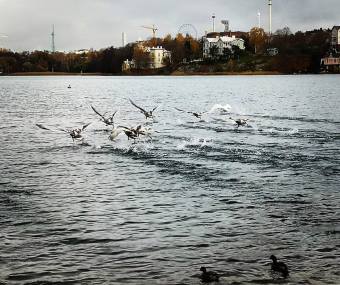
175	73
181	73
54	74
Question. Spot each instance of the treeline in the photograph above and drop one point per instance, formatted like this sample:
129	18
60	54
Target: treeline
300	52
108	60
297	53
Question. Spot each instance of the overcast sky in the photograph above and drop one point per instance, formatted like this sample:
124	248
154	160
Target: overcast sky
100	23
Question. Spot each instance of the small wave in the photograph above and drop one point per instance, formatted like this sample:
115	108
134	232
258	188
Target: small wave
74	241
220	108
194	143
295	118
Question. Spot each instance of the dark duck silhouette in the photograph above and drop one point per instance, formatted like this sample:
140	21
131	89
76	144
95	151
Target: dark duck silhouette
208	276
147	114
106	120
132	133
198	115
279	267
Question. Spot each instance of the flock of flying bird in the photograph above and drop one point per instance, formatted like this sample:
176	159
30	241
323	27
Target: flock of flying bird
135	132
131	132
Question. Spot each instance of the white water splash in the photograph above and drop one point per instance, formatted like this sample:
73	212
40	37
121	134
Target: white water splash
223	109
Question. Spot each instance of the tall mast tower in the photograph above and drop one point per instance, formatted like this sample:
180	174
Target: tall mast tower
213	18
123	39
53	44
259	19
270	16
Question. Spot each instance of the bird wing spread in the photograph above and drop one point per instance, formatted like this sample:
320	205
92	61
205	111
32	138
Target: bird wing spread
48	129
113	114
97	113
137	106
43	127
85	126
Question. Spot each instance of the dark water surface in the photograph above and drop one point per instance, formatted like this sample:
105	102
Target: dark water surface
198	193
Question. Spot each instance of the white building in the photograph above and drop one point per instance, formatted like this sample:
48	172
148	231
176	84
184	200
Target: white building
82	51
128	64
221	43
158	56
336	36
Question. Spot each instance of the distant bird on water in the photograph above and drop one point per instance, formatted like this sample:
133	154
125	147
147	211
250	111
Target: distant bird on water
208	276
106	120
278	266
147	114
196	114
74	133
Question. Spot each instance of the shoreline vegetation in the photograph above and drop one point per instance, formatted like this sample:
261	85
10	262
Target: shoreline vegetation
175	73
298	53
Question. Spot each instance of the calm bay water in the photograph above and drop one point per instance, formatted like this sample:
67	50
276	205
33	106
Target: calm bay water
201	192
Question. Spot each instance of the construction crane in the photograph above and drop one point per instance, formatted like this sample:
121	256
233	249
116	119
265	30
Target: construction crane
153	28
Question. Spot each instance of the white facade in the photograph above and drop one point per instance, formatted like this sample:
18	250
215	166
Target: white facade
221	43
336	36
81	51
158	56
128	64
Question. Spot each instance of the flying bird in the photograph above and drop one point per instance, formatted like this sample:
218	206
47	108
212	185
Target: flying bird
74	133
240	122
147	114
115	132
279	266
106	120
196	114
134	133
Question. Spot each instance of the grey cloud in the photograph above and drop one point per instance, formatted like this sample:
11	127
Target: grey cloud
99	23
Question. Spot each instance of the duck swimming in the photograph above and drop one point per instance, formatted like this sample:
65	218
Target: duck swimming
278	266
147	114
208	276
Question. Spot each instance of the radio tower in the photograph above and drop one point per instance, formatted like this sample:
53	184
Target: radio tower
53	44
213	18
270	17
259	19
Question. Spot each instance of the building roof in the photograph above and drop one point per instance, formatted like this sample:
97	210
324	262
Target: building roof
225	39
237	34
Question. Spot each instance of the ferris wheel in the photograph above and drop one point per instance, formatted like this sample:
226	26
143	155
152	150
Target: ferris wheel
188	29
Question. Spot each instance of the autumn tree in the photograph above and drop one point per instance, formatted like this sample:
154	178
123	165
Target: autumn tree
141	57
258	39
